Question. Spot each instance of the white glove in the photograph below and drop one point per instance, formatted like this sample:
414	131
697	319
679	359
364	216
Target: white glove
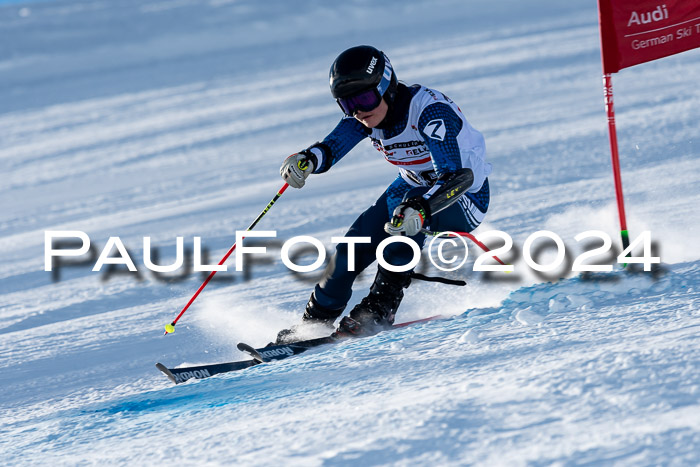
296	168
407	220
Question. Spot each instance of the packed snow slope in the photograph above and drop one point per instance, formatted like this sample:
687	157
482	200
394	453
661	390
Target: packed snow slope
170	118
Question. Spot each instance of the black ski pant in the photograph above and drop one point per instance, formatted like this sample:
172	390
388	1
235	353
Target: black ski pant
335	288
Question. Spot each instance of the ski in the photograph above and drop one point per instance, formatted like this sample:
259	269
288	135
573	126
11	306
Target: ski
259	356
250	350
180	375
282	351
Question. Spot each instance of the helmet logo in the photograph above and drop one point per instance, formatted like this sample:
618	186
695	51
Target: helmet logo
370	68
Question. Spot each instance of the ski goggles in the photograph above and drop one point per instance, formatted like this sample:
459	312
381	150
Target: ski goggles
364	101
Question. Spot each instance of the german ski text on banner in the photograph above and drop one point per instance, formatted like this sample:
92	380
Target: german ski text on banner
639	31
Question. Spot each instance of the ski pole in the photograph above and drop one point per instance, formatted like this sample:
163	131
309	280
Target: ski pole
169	328
470	237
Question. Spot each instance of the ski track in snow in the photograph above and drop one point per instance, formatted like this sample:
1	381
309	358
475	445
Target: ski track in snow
168	119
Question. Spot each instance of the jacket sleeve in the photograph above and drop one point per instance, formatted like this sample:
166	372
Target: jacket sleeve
439	125
339	142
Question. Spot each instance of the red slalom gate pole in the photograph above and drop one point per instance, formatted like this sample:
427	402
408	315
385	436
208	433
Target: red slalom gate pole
470	237
169	328
615	158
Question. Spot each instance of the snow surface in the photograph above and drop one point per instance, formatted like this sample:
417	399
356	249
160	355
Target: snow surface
170	118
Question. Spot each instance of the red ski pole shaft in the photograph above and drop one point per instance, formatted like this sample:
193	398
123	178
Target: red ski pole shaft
470	237
481	245
171	327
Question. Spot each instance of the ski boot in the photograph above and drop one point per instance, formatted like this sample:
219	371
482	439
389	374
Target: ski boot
316	320
377	310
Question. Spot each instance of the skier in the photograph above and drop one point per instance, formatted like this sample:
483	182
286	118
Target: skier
441	185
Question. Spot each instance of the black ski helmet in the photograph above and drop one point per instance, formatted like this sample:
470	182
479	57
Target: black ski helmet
362	68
